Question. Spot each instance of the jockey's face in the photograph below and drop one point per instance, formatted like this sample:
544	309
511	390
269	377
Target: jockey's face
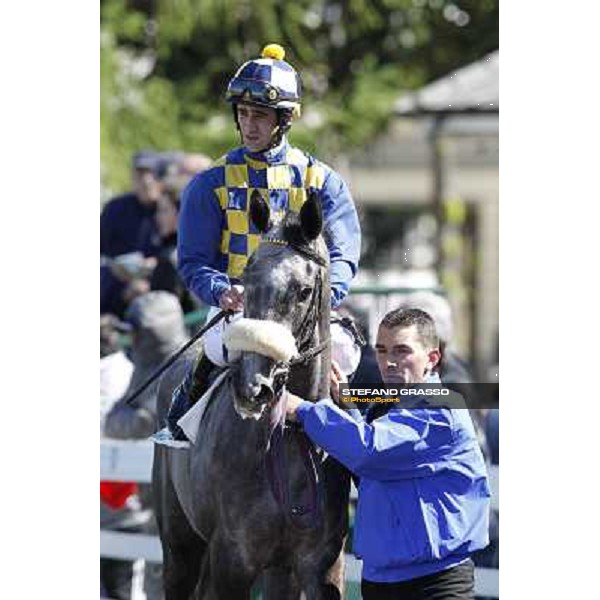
257	124
401	356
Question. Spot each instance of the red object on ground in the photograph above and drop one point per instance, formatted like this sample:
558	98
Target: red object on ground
115	493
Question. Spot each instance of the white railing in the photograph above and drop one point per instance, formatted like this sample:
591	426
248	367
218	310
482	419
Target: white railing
132	461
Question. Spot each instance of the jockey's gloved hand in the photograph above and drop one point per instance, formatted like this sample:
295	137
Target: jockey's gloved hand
232	299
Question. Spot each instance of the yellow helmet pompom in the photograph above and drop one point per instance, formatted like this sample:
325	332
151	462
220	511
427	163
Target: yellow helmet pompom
274	51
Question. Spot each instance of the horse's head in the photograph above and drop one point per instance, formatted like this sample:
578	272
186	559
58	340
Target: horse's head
285	282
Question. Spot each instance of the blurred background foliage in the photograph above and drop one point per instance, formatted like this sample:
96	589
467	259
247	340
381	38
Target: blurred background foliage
165	65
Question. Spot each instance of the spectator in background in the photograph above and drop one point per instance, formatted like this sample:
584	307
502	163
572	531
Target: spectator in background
159	272
492	432
165	276
115	368
453	369
122	218
367	374
119	505
128	232
192	164
492	419
158	330
177	169
490	556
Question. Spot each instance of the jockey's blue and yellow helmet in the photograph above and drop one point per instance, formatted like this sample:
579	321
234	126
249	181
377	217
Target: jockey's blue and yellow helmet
267	81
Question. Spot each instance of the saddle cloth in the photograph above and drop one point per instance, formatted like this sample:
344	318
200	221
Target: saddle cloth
190	422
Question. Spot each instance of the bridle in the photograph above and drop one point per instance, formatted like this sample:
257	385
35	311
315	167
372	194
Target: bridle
306	352
305	514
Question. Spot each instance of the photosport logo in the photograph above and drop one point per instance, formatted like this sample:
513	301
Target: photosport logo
451	395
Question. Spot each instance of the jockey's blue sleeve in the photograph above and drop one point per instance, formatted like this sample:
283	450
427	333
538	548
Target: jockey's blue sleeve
199	240
342	235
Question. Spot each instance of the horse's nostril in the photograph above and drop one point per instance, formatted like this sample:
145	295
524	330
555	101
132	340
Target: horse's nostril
265	394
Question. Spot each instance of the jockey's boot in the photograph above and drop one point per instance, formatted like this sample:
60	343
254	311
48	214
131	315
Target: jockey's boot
194	385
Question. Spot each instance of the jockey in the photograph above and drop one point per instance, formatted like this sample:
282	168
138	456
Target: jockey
216	237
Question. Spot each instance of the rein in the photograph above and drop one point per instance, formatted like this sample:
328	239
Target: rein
309	354
305	352
306	514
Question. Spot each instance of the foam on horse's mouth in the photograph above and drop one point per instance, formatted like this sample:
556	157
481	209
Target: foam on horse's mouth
249	414
245	409
268	338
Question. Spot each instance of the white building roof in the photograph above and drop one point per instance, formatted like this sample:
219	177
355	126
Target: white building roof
470	89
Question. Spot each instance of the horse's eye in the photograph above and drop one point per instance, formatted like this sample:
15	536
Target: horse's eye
305	294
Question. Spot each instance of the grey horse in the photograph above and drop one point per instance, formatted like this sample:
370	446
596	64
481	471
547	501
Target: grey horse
251	500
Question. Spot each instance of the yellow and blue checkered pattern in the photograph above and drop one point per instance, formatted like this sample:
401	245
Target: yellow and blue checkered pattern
284	185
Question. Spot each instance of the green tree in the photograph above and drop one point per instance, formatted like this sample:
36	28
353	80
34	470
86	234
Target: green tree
165	65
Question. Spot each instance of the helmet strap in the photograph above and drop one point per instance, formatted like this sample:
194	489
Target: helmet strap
284	124
284	119
235	117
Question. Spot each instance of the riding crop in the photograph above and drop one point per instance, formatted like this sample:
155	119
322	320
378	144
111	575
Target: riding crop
176	355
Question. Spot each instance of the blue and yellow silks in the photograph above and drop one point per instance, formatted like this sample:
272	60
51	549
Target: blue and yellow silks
216	236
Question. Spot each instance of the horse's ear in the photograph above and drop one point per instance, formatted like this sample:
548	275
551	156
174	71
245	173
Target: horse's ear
311	217
260	213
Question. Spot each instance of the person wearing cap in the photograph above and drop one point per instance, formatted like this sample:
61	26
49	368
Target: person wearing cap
157	330
452	367
127	226
176	169
424	496
216	235
165	275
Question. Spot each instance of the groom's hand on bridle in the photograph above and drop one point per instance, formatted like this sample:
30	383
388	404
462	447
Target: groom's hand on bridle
335	378
292	402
